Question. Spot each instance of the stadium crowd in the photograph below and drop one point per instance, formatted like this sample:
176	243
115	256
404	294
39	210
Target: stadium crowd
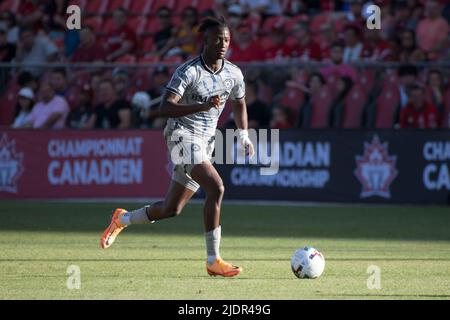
317	63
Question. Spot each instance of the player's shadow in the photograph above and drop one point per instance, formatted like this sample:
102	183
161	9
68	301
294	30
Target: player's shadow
369	222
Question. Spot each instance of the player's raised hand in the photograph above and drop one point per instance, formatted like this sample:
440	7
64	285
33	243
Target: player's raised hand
214	102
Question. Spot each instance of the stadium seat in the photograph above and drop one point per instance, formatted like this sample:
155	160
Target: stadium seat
353	107
8	102
116	4
146	45
149	58
138	24
9	5
95	23
321	104
153	25
386	107
108	26
265	93
367	80
140	7
205	5
128	58
96	8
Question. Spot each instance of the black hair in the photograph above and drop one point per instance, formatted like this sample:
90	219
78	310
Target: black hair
318	75
164	9
24	78
123	10
337	44
415	87
60	71
211	22
407	70
25	29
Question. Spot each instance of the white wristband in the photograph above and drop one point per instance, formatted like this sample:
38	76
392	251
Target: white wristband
243	133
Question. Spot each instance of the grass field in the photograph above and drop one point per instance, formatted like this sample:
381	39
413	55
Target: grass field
40	240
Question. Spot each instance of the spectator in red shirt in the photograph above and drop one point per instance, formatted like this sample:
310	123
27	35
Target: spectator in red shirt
244	47
278	50
30	14
418	113
122	39
338	67
305	48
89	50
432	32
375	48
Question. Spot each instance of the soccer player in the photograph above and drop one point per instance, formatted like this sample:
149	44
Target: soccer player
193	102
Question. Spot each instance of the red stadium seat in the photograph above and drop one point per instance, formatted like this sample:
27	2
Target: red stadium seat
116	4
96	8
205	5
321	104
9	5
386	107
138	24
149	58
140	7
354	107
128	58
94	22
293	98
108	26
367	80
146	45
445	119
8	102
153	25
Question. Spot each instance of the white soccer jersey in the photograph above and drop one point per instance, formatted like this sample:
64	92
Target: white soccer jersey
194	82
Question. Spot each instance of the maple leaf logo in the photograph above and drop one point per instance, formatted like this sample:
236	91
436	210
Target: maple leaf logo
376	169
11	166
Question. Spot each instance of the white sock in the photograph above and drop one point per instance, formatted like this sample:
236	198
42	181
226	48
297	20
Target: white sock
138	216
212	239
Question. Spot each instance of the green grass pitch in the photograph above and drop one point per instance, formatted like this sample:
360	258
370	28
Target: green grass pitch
40	240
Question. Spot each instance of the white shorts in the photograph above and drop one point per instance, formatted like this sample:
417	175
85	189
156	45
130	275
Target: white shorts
187	150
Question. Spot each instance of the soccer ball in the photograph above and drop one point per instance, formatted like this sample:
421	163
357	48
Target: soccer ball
307	263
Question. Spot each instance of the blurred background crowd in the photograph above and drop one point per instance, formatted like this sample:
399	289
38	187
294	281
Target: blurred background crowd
308	64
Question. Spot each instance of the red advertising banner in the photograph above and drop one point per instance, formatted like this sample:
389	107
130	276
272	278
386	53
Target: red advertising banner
83	164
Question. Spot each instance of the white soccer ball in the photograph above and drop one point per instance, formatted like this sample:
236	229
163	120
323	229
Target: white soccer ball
307	263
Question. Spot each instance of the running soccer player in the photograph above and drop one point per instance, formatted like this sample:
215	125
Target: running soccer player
193	102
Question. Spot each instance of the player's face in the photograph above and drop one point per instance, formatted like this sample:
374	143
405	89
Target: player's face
217	42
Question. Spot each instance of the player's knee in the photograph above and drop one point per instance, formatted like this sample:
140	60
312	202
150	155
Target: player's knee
217	192
173	211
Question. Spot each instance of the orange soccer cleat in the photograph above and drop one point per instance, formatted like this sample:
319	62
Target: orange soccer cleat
222	268
113	230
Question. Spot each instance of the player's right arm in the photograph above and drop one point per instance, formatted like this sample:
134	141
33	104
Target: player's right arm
171	108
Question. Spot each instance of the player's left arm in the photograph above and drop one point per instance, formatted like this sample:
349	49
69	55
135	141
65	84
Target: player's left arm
241	120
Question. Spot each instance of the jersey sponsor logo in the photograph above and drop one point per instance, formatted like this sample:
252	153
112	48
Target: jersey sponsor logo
376	169
11	165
